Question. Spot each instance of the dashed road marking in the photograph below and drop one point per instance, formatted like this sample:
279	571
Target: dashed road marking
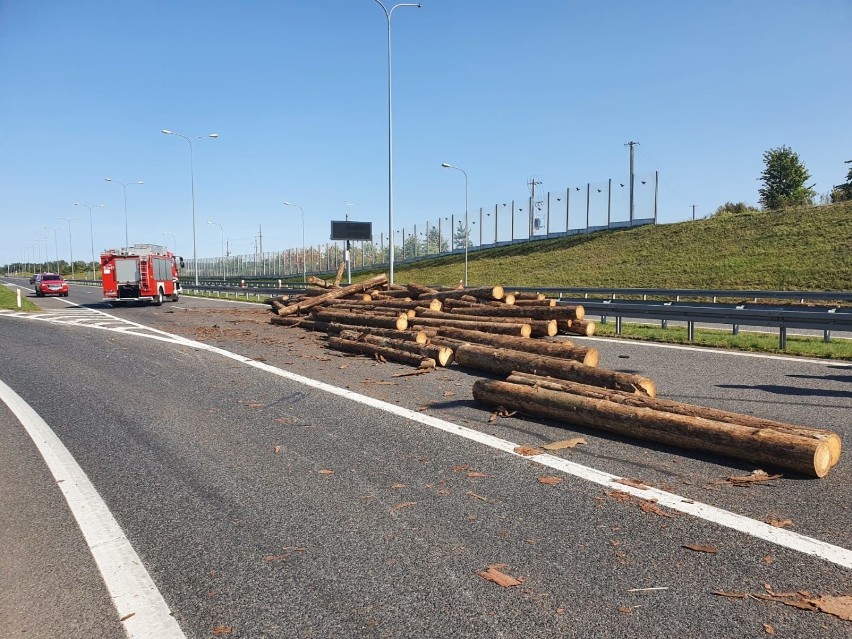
93	318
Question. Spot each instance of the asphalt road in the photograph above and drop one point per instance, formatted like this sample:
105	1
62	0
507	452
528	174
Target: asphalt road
265	505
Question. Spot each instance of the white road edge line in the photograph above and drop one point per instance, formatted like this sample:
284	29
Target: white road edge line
715	351
779	536
138	602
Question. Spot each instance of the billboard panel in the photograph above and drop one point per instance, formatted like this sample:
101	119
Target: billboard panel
355	231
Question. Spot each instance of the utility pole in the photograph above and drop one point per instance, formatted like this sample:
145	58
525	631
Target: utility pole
532	184
693	212
631	144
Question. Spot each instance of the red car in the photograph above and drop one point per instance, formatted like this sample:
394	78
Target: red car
50	284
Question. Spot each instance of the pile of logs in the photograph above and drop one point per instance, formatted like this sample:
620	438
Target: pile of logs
511	335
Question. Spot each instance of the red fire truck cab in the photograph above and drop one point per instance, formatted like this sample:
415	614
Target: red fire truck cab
140	273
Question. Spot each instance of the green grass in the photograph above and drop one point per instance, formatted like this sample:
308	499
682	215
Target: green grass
797	249
745	341
8	300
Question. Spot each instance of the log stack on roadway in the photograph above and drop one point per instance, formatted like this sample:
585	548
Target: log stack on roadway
511	335
807	451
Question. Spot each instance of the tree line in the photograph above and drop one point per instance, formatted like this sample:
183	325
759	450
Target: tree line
785	183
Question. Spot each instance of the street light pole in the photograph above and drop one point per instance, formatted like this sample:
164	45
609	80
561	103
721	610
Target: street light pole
304	260
192	185
388	14
91	235
124	186
466	232
70	243
55	244
222	232
174	241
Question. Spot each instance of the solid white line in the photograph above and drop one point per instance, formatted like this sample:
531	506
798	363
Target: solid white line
753	527
717	351
779	536
136	598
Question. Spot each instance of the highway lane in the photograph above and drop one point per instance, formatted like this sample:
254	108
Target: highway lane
238	535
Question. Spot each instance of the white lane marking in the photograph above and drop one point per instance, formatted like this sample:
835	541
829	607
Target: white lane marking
779	536
716	351
136	598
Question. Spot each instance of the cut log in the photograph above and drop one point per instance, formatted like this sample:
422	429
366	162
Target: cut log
503	362
561	312
391	294
347	331
333	294
690	410
399	322
578	327
360	308
453	303
339	275
430	331
542	302
390	354
756	445
523	295
521	330
313	279
538	328
379	302
306	323
442	355
419	289
490	293
566	349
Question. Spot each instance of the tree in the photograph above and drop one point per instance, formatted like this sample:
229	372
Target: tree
784	178
461	234
843	192
435	242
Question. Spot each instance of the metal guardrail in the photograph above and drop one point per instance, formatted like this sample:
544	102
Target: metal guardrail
825	319
677	293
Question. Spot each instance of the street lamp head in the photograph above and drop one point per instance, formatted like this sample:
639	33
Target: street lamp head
108	179
166	132
140	182
446	166
288	204
213	135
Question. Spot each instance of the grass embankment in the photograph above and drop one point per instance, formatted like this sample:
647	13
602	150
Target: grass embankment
799	249
8	300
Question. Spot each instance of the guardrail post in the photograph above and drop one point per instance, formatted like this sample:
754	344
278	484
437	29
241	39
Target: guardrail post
826	336
664	324
782	337
735	329
690	331
618	319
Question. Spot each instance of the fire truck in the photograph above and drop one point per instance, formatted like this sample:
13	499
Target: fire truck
140	273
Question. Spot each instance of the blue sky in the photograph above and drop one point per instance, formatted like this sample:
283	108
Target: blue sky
297	92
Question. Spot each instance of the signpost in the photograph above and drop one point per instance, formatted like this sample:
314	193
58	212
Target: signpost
347	231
